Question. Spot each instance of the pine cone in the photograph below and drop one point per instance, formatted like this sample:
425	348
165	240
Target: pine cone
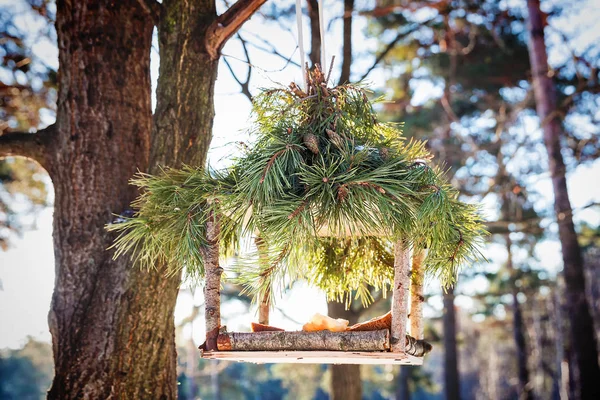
311	142
335	139
384	153
342	193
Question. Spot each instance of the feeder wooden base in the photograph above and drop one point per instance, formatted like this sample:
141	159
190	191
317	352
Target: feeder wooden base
314	357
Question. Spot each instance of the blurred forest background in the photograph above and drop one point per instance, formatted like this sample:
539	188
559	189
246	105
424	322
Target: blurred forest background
456	73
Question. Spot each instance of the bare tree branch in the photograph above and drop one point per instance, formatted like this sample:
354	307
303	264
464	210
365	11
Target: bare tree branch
390	46
245	86
152	8
228	23
31	145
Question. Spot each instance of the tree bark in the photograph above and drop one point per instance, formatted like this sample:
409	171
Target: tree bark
451	376
583	339
345	382
112	325
102	138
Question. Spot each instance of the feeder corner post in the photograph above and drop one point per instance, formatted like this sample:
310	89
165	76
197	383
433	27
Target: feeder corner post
416	293
212	280
264	303
400	296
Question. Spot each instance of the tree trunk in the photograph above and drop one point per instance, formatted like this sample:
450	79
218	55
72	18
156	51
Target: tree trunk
402	389
315	35
103	134
583	339
112	325
347	42
451	376
525	391
345	383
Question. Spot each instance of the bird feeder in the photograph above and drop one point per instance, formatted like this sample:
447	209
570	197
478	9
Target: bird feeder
322	169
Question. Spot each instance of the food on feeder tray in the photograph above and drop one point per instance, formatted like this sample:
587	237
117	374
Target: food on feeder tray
264	328
374	324
324	323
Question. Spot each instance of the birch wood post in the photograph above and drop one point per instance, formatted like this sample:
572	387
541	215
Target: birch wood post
399	293
212	281
299	341
416	293
264	304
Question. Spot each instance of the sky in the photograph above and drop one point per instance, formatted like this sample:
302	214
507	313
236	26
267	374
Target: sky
27	269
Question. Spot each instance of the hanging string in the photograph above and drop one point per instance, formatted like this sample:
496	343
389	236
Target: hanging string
322	33
301	42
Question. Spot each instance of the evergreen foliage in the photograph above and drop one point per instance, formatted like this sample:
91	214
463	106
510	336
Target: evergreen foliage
327	186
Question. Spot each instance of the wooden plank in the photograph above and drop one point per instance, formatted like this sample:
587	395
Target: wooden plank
314	357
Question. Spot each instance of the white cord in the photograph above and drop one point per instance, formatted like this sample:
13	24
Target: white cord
301	41
322	32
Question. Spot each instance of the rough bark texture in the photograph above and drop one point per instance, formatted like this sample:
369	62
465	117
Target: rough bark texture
30	145
212	281
102	138
399	295
320	340
112	325
345	383
184	108
451	377
417	277
583	339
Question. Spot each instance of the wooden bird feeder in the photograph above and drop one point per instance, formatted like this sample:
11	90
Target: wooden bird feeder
381	346
323	166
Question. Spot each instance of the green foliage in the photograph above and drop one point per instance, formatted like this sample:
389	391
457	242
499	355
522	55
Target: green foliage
327	186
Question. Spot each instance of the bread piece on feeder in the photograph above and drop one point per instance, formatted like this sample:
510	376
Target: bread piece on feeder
324	323
374	324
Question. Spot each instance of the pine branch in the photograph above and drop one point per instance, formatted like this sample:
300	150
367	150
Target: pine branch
360	184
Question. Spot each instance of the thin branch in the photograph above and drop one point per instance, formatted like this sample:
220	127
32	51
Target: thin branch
390	46
31	145
245	86
228	23
152	8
